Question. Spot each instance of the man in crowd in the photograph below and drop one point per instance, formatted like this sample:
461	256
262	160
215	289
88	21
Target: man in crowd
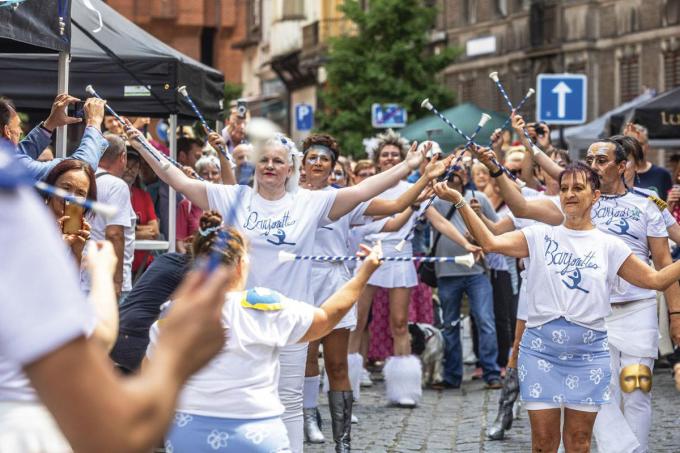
119	229
189	150
91	145
649	176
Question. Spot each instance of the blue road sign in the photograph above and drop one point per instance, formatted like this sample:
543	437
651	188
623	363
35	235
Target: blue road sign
388	115
304	117
561	98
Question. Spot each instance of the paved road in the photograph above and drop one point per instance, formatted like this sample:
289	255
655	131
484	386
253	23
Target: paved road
455	421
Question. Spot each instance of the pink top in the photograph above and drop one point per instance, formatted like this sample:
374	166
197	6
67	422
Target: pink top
188	217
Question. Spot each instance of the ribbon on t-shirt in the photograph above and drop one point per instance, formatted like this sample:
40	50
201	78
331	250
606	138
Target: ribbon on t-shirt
262	299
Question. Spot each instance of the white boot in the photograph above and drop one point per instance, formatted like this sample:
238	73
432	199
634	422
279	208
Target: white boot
355	367
403	376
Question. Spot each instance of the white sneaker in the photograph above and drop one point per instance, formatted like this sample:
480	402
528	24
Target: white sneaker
355	420
406	402
366	380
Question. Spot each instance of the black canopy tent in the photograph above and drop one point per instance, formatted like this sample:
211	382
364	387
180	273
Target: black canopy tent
135	72
33	26
660	115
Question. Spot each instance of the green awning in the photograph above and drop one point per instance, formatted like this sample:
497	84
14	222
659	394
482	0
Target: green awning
465	116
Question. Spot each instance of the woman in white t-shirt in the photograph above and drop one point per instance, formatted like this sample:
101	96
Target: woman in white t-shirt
278	216
572	269
232	404
320	153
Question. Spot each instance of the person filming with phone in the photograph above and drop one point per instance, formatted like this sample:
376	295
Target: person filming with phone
76	177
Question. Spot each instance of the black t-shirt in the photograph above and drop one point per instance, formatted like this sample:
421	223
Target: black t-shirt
657	179
153	289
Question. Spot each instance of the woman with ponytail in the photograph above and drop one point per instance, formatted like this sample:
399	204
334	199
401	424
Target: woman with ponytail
233	404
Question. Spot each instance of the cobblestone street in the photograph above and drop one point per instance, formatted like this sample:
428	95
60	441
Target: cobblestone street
455	420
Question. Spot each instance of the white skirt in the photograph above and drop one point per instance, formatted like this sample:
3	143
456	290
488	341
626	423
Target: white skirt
395	274
327	278
28	427
640	317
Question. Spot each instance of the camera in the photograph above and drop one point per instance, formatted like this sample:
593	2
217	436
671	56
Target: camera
76	110
241	108
540	130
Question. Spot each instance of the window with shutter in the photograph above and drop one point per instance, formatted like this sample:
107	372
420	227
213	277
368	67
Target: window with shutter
671	68
293	9
629	77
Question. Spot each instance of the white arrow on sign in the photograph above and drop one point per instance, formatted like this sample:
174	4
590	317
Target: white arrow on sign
561	90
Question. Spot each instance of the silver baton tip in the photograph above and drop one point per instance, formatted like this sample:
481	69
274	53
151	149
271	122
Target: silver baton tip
530	92
90	90
426	104
484	119
494	76
183	90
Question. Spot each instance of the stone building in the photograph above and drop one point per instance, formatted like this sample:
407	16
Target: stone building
623	46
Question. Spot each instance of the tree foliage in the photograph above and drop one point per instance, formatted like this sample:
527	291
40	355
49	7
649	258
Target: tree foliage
387	59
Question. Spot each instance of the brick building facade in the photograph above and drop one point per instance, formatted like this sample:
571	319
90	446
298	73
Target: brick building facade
203	29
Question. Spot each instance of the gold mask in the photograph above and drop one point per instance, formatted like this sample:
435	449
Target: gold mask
636	376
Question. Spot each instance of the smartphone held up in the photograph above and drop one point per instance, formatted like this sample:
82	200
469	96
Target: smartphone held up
74	222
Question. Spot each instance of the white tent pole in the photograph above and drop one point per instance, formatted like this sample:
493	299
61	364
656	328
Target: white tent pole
62	87
172	197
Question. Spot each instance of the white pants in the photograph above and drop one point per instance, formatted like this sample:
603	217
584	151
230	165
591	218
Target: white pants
623	425
28	427
291	383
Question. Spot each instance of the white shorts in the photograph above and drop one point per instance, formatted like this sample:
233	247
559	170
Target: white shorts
395	274
539	406
327	278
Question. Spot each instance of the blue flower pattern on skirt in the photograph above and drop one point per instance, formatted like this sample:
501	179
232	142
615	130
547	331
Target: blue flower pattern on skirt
564	363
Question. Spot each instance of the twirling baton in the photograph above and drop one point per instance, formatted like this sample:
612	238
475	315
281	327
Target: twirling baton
164	165
482	121
100	208
466	260
517	109
428	105
494	76
225	152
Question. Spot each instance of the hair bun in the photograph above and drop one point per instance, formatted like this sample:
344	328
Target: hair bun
210	219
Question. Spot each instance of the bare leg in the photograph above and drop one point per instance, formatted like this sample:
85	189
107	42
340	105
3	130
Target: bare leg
399	300
545	430
363	307
578	430
335	359
312	365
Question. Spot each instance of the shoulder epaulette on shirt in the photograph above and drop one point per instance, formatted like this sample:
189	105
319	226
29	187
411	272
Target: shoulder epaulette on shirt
653	198
261	299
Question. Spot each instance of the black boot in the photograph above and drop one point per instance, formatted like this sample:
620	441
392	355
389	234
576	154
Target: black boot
509	395
340	404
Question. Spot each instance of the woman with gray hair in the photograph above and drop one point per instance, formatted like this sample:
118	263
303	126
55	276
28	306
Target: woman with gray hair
276	215
208	168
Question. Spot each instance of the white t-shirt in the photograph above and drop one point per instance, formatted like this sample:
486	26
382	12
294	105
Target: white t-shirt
633	219
42	307
393	193
242	380
333	239
570	274
115	192
358	234
288	224
668	218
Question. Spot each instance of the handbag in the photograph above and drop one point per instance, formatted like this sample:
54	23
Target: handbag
426	271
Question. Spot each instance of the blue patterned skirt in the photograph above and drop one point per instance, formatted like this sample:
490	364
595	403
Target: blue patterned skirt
192	433
562	362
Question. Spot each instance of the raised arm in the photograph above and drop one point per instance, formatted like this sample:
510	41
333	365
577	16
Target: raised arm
510	244
101	264
348	198
336	307
194	190
434	169
446	228
216	141
542	159
638	273
539	209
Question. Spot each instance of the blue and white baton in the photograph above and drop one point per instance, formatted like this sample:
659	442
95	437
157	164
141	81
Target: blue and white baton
225	152
466	260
